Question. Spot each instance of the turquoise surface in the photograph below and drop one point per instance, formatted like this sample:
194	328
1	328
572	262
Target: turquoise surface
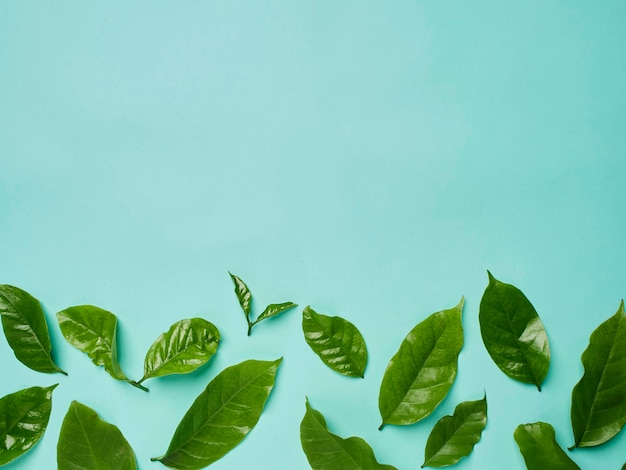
371	159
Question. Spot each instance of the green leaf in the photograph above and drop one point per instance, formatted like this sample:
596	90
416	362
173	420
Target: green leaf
420	374
187	345
337	342
24	416
537	443
599	399
453	437
88	442
513	333
222	415
92	330
26	330
274	309
243	295
327	451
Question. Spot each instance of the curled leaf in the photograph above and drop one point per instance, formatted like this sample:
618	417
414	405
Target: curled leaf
537	443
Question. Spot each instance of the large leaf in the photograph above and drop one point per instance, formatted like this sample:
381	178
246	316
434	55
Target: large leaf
93	331
327	451
222	415
599	398
337	342
88	442
24	417
453	437
26	330
420	374
187	345
537	443
513	333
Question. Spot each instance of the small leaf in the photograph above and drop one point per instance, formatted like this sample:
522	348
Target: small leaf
274	309
337	342
599	399
243	295
187	345
88	442
222	415
24	416
513	333
537	443
26	330
453	437
327	451
93	330
420	374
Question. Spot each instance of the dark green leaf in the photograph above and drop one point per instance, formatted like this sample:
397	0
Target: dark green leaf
26	330
222	415
243	295
453	437
24	417
599	398
337	342
537	443
88	442
274	309
327	451
420	374
513	333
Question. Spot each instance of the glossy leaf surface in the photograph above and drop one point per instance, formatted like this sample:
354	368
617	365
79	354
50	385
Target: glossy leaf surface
337	342
88	442
26	330
513	333
274	309
599	399
420	374
187	345
454	437
537	443
243	295
222	415
327	451
24	416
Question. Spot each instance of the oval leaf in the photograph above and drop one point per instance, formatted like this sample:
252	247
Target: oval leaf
26	330
453	437
86	441
599	399
420	374
222	415
187	345
513	333
327	451
537	443
24	416
337	342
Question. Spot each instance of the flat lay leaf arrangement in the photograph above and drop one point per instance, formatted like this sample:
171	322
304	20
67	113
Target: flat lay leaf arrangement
417	379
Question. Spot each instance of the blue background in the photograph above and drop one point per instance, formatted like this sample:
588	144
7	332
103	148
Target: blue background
370	159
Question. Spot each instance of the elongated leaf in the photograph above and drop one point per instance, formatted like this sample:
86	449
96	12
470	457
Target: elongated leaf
537	443
327	451
222	415
454	437
24	416
599	398
337	342
243	295
26	330
93	331
274	309
187	345
420	374
88	442
513	333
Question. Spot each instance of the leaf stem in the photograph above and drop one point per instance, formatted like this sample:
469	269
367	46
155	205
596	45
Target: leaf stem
138	385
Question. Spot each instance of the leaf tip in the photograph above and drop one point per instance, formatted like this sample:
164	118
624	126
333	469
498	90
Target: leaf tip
491	278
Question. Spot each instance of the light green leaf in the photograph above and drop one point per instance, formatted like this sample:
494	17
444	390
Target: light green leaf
513	333
537	443
327	451
420	374
222	415
454	437
337	342
26	330
599	399
88	442
274	309
24	417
